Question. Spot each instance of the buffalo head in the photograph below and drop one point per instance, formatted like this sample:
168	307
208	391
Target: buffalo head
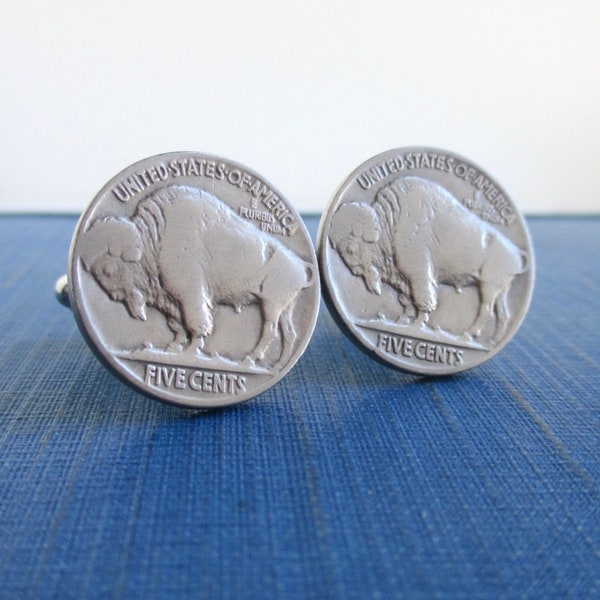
355	233
111	253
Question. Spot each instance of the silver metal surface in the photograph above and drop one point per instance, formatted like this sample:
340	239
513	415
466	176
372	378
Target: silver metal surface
426	261
194	280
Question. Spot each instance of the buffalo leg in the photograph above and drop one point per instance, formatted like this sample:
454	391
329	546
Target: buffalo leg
198	316
422	318
488	294
288	335
269	330
420	278
181	337
425	297
409	312
271	319
502	314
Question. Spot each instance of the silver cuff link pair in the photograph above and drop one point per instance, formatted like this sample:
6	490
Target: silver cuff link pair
195	281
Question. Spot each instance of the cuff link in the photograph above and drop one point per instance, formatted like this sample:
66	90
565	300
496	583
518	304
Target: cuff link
426	262
193	279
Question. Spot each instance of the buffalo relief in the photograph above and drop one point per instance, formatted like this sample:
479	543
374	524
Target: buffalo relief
417	238
186	254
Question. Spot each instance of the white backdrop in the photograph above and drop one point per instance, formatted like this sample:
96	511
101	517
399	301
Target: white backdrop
301	92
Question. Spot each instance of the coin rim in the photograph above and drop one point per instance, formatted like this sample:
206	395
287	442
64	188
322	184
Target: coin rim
348	328
77	297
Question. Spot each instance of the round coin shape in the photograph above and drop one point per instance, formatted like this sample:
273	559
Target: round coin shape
425	261
194	280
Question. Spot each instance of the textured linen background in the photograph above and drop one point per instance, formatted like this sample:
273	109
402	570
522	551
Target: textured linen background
346	480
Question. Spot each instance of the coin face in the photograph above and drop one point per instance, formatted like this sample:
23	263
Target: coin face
194	280
426	261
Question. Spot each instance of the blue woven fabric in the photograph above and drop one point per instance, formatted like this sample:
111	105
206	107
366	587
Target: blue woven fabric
346	480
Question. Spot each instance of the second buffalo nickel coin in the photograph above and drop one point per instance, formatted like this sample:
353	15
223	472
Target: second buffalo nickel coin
426	261
194	280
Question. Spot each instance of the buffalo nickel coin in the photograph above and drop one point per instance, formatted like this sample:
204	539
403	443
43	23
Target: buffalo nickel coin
426	261
194	280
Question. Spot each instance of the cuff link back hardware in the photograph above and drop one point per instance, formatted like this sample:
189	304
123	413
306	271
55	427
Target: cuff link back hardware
426	262
193	279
